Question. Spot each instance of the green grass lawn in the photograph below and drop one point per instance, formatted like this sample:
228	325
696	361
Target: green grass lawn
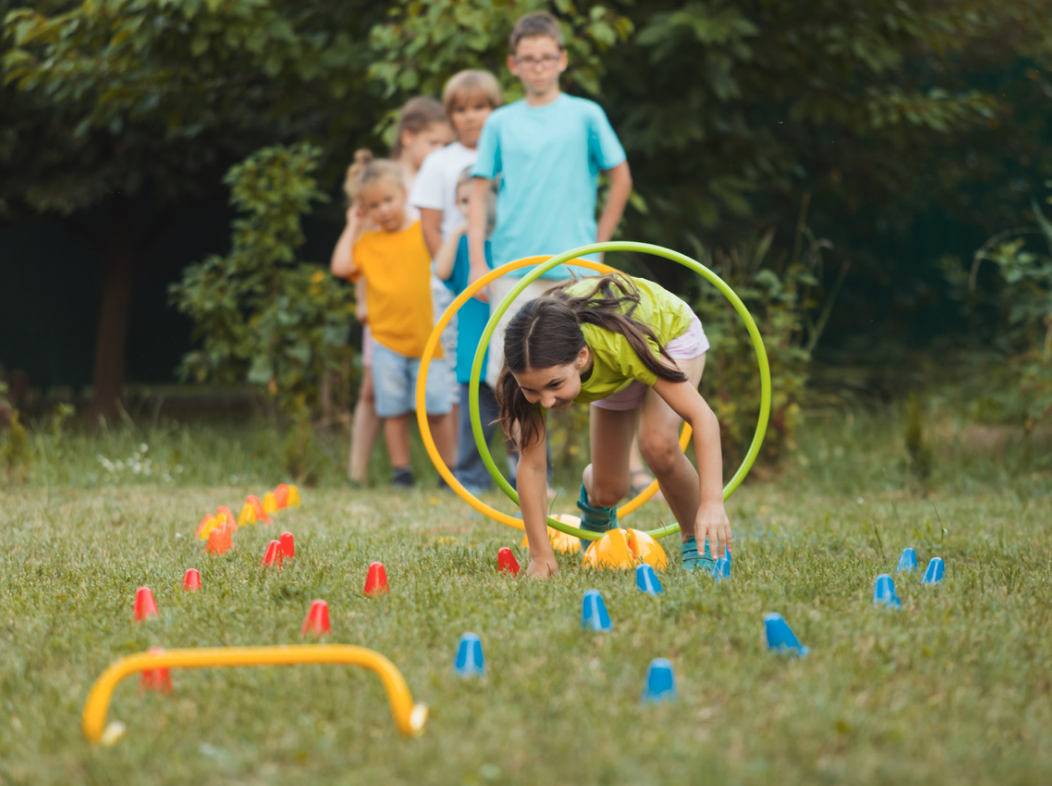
952	689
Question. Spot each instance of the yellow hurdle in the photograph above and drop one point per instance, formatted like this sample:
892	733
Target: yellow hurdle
409	717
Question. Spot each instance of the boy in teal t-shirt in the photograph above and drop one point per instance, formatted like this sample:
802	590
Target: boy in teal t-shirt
548	150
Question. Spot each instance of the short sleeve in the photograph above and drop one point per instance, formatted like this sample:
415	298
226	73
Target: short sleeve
603	145
427	188
488	164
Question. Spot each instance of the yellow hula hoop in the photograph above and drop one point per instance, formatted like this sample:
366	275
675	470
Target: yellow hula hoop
421	400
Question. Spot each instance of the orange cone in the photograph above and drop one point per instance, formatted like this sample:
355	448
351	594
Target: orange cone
261	514
281	496
611	551
376	580
223	510
144	604
647	549
273	557
219	541
208	523
288	544
192	580
159	680
561	542
317	621
270	505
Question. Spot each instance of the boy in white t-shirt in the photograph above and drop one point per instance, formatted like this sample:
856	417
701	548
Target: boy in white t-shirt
468	97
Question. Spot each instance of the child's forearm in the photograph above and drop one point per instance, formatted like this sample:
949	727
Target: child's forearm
532	483
431	226
708	453
620	188
477	211
447	256
342	263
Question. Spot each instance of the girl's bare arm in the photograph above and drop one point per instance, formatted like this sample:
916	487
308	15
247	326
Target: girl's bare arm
711	521
447	254
477	211
431	225
532	483
342	264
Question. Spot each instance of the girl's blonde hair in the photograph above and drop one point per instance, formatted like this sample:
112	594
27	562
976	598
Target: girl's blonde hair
417	115
468	83
367	170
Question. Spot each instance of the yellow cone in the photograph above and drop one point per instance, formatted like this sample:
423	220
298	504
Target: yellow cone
625	548
270	505
611	551
647	549
561	542
294	497
248	516
208	523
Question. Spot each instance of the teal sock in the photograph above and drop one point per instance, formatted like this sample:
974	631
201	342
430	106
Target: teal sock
594	519
692	560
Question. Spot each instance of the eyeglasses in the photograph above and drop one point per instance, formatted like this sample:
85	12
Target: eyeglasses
545	61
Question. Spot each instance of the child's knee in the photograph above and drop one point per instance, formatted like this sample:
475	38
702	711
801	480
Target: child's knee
660	451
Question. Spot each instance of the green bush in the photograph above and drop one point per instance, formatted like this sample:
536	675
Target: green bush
262	316
784	294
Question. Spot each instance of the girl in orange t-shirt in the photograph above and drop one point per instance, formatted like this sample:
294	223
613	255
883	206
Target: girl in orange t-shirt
396	266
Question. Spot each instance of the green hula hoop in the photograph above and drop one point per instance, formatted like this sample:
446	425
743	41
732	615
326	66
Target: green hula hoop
645	248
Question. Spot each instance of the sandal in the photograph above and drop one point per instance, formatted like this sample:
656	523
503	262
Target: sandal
692	560
594	519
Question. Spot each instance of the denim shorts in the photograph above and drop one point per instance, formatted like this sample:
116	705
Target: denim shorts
394	380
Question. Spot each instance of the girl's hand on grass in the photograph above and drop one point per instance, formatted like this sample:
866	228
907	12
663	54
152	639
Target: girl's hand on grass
712	523
542	567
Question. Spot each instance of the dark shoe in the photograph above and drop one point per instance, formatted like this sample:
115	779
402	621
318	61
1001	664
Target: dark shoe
402	477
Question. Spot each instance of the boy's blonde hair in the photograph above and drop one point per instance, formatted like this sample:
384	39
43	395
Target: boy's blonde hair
417	115
470	82
367	170
537	25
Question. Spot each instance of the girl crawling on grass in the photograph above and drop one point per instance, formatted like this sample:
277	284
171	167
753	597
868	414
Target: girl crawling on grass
636	353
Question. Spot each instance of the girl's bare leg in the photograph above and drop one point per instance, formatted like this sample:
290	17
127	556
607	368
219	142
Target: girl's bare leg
658	442
365	428
606	479
396	434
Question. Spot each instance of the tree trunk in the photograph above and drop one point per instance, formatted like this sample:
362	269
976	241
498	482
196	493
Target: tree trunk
112	334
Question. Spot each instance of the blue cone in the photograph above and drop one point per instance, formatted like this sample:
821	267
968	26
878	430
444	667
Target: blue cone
907	562
935	571
469	661
593	612
647	580
661	682
780	636
884	592
723	566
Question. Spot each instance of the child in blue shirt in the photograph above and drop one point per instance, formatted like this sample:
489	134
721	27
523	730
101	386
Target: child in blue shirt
453	268
548	149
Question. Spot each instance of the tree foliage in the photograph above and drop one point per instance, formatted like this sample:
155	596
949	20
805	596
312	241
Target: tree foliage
263	316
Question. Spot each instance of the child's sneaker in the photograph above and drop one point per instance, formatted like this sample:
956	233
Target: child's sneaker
594	519
402	477
692	560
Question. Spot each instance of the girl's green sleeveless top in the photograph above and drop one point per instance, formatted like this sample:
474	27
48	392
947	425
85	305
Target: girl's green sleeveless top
615	362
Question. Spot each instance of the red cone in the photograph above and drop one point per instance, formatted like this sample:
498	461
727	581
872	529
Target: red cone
288	545
219	540
317	621
231	519
376	581
273	557
192	580
506	562
144	605
159	680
